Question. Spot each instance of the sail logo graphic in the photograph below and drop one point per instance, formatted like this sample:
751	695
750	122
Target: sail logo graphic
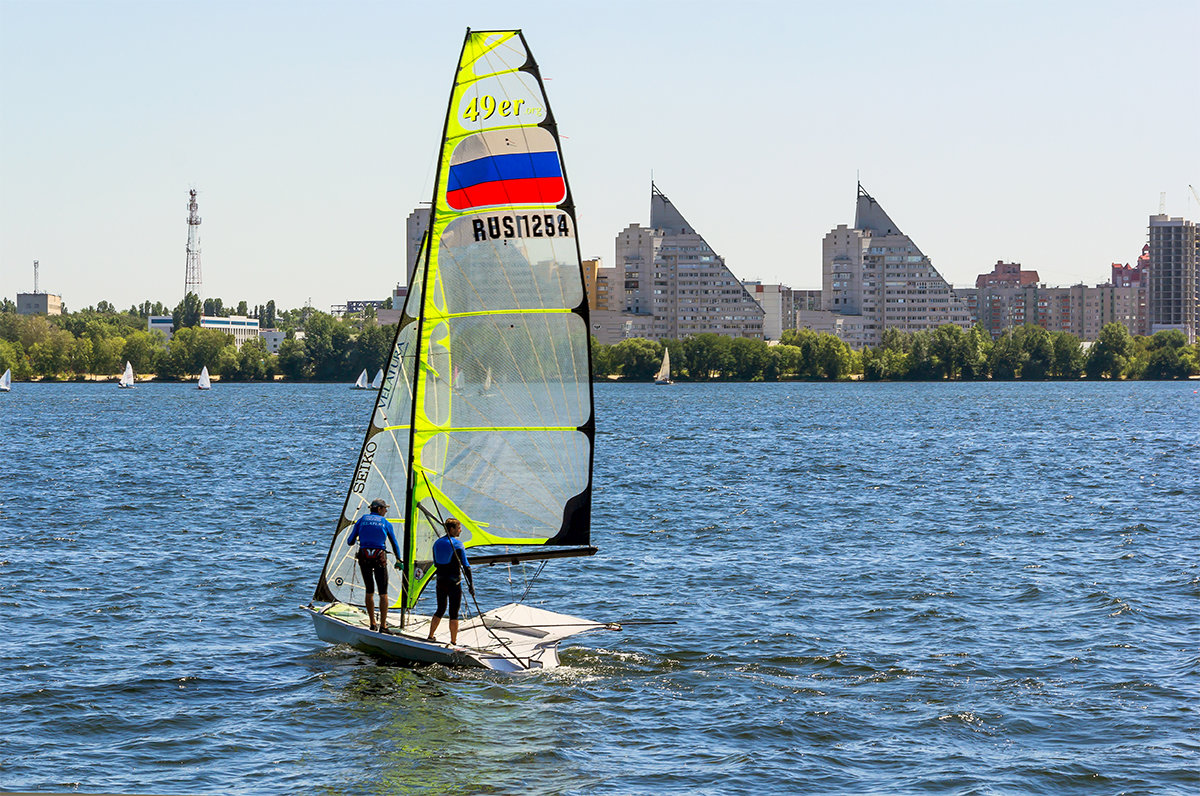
486	105
524	178
364	468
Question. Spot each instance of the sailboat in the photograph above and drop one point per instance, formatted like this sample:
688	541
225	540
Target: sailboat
204	382
126	377
6	381
664	370
361	383
377	382
515	468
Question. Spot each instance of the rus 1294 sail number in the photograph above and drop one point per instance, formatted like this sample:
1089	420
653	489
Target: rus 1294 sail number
486	106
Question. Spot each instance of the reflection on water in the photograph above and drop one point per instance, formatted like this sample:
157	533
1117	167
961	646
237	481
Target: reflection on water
435	730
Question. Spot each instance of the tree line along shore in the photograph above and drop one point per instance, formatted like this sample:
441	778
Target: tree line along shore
94	343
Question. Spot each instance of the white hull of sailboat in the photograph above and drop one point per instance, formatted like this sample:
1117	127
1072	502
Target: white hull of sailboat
530	637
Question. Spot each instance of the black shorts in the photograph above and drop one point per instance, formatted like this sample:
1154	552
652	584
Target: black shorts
374	565
450	591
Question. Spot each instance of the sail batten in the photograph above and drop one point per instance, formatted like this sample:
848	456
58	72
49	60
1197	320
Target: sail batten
485	411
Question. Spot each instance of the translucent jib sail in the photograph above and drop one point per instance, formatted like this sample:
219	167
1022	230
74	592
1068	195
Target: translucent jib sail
485	413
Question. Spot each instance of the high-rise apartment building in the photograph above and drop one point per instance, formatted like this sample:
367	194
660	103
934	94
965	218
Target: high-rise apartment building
779	312
673	285
1079	309
415	227
875	272
1173	289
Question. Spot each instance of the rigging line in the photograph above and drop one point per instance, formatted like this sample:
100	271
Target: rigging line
530	581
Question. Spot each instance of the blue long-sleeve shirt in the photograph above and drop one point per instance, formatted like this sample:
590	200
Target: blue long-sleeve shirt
373	530
444	550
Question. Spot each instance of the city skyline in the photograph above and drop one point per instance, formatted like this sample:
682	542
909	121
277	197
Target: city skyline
311	135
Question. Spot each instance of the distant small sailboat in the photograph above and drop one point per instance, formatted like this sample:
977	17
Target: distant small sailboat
127	376
362	383
664	370
204	383
6	381
377	382
486	390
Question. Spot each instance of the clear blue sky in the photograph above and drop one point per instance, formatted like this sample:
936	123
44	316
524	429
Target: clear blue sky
1037	132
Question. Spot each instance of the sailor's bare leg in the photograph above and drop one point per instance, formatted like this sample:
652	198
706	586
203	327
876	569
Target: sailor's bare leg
383	606
453	631
371	608
433	623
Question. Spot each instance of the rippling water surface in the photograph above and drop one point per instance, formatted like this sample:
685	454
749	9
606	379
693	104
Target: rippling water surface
978	588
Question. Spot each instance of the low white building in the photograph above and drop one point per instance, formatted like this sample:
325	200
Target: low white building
239	327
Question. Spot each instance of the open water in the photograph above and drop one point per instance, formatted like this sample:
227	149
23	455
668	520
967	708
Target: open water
962	588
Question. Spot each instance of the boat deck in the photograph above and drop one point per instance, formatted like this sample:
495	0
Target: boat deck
513	637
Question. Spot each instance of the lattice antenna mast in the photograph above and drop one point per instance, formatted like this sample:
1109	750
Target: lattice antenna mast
35	276
192	283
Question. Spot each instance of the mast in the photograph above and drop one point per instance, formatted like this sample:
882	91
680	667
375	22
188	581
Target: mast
410	507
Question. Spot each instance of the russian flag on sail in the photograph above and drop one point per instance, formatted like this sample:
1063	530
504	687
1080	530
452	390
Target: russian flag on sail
534	178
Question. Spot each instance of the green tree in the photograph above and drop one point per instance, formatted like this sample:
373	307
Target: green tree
327	343
10	356
1008	355
1068	355
749	358
254	362
947	351
976	350
372	349
601	358
1038	351
1109	355
884	364
833	356
785	361
1168	356
81	356
191	349
108	355
707	355
806	341
242	309
920	357
139	349
268	318
227	362
293	359
187	313
637	358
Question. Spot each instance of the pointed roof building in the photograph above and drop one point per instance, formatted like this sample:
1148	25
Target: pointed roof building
874	277
675	285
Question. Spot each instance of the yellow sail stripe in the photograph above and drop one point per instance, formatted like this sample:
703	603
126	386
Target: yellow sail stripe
477	313
436	430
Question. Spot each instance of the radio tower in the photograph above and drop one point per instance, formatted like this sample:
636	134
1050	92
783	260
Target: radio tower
192	282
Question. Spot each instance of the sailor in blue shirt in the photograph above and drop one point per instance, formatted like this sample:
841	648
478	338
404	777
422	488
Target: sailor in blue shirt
373	532
451	559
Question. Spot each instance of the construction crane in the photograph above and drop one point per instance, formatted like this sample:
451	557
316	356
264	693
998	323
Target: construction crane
1194	194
